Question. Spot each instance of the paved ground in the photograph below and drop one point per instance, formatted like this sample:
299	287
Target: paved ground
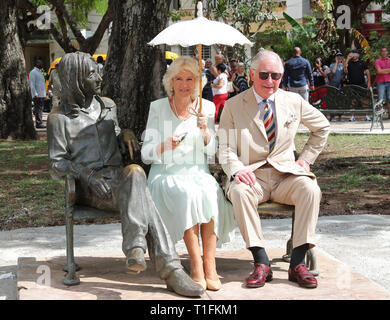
355	127
360	242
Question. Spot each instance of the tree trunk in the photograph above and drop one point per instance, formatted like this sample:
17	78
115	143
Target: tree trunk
15	97
134	70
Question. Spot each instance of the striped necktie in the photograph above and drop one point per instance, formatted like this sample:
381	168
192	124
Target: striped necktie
269	124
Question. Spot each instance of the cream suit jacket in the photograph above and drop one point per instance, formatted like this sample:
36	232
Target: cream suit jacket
243	140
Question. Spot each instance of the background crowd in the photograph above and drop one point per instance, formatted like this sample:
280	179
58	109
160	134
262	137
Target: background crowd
225	80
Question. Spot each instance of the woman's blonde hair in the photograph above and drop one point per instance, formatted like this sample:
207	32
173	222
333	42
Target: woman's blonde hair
182	63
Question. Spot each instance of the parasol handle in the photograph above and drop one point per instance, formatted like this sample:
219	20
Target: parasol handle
199	6
200	79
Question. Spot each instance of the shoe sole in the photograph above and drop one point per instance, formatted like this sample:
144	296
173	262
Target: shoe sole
169	288
135	268
309	286
254	285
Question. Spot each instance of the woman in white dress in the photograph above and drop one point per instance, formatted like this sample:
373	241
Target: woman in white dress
178	141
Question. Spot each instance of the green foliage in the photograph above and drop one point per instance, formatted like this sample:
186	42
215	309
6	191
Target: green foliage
39	2
302	35
386	9
176	15
376	42
79	9
243	15
296	25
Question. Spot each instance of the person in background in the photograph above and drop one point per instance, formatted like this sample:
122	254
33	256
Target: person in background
357	72
178	141
100	62
240	79
382	66
207	92
336	76
219	58
231	73
320	73
220	93
297	74
320	76
38	92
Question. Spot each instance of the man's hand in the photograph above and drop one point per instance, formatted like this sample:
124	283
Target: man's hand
99	186
131	141
246	176
304	164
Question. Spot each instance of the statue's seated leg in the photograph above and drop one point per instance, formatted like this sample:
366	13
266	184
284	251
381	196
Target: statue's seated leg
141	222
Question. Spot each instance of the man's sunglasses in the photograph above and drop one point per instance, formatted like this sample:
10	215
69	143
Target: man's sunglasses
265	75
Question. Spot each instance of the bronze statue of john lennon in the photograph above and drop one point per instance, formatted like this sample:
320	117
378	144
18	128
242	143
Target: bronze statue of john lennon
84	141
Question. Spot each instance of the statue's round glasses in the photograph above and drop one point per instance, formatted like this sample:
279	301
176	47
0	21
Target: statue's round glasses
265	75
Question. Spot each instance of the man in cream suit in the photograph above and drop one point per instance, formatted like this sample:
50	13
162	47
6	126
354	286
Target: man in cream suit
256	143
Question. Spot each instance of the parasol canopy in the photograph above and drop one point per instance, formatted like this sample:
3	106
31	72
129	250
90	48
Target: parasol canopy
199	31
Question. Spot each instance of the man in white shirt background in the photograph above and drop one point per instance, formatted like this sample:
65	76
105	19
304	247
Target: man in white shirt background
38	92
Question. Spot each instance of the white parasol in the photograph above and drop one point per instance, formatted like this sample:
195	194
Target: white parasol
200	31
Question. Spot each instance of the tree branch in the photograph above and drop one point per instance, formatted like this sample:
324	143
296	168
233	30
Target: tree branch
60	5
91	44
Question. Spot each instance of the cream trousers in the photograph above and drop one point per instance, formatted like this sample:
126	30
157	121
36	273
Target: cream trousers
301	191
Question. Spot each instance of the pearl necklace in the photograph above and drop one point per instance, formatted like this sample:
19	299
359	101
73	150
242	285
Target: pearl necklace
177	114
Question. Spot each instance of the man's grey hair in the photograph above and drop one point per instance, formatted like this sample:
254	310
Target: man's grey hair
265	54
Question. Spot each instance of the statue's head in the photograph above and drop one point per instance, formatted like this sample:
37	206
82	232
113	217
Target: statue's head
80	79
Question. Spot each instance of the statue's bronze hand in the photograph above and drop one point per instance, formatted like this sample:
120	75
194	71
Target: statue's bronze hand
99	185
131	141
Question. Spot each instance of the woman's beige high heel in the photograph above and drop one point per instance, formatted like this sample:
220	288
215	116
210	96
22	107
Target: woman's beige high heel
213	285
202	283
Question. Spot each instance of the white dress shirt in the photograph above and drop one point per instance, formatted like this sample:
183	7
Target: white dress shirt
37	83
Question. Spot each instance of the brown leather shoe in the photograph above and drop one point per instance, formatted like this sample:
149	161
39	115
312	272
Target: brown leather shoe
260	275
302	275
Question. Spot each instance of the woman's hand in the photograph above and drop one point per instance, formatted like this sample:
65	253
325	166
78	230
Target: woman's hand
202	121
170	144
202	124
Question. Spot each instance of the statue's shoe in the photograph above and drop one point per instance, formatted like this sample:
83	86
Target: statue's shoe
135	261
181	283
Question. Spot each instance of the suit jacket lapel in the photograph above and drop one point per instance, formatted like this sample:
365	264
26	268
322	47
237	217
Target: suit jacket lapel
252	109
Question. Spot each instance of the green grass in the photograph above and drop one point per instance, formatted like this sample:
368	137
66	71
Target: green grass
357	158
30	197
350	145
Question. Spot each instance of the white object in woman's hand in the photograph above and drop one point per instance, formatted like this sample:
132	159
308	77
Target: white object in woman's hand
170	144
202	121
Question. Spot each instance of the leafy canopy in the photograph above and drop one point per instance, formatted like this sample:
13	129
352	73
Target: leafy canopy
79	9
